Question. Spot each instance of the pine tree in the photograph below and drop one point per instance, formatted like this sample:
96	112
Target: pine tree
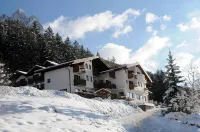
59	49
98	54
68	53
158	86
172	78
4	81
113	60
49	44
88	53
76	53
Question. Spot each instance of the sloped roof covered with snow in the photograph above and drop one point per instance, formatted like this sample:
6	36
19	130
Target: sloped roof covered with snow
36	67
50	63
68	64
85	59
114	69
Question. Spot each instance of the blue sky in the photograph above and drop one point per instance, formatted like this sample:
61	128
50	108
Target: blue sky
129	30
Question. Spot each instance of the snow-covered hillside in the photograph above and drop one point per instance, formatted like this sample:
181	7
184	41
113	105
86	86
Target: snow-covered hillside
28	109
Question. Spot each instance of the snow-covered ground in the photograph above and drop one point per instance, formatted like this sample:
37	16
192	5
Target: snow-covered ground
191	119
153	121
28	110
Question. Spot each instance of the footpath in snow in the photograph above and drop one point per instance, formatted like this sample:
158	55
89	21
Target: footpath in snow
29	110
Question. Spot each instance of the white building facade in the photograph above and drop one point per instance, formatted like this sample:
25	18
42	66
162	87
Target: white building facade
91	74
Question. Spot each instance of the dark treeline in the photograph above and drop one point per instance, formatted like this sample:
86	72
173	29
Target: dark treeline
22	47
158	86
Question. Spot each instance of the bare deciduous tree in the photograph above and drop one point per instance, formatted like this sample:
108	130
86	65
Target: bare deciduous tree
192	77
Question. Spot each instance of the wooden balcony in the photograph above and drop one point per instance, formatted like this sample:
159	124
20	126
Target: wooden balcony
131	86
132	75
79	82
104	85
78	68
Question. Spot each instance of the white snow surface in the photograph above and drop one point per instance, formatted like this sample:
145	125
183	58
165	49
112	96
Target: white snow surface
190	119
27	109
153	121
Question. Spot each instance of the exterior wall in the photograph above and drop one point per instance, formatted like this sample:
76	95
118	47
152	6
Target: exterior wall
122	82
59	79
138	92
119	80
89	73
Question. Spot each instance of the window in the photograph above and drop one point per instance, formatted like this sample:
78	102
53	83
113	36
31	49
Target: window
86	65
141	84
87	78
130	82
126	81
133	95
90	67
138	83
138	72
48	80
90	79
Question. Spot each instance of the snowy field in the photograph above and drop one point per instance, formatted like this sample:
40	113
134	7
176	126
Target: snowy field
29	110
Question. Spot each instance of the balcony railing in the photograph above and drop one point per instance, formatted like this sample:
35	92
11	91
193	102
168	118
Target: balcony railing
79	82
104	85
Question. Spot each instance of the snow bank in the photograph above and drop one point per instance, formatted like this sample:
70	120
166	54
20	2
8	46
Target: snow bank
191	119
110	108
27	109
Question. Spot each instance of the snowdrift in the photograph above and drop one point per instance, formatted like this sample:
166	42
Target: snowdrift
110	108
27	109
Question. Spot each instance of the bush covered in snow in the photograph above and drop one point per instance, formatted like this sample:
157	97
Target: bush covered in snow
186	100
